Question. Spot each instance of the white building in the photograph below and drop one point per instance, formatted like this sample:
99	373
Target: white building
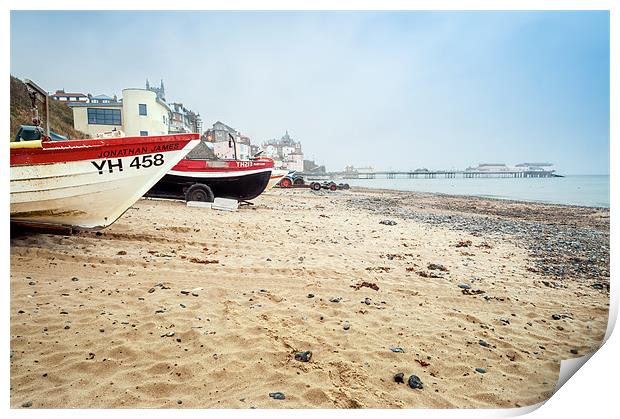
285	152
535	167
62	96
139	113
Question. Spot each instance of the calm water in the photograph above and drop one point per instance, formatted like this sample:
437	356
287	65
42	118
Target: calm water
590	190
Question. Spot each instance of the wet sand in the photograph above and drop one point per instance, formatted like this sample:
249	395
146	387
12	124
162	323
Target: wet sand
194	308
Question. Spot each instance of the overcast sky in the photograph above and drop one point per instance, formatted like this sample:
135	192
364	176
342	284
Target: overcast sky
397	90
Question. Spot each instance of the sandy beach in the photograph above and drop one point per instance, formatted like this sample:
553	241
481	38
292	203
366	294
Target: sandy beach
180	307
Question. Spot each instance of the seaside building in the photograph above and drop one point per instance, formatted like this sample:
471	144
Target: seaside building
219	135
62	96
183	120
535	167
286	153
139	112
311	167
359	170
102	99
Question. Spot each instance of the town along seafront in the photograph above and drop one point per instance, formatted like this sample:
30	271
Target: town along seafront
186	307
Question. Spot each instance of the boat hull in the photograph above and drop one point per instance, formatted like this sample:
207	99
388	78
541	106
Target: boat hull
275	178
97	181
239	186
233	179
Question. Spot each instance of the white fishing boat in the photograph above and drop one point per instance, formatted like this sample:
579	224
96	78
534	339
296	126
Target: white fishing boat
275	178
85	183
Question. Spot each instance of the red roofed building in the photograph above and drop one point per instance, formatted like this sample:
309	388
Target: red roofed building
63	96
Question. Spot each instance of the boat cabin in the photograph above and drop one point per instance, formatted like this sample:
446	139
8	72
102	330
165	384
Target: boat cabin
35	133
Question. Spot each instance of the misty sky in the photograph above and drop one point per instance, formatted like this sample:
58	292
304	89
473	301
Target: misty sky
398	90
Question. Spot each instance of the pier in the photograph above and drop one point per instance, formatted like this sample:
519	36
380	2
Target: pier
445	174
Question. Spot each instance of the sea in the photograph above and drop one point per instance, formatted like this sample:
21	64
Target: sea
581	190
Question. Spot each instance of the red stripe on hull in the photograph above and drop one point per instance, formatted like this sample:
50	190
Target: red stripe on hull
106	148
209	166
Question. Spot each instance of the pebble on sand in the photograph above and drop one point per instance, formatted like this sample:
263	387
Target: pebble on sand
481	370
399	378
415	382
436	267
397	349
27	404
388	222
277	395
303	356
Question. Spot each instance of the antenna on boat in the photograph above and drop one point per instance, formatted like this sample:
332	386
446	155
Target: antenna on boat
231	143
36	93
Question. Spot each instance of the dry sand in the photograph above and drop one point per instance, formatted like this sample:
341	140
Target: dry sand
92	313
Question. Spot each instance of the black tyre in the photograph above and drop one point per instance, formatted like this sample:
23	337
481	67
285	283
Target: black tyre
199	192
315	186
346	186
299	181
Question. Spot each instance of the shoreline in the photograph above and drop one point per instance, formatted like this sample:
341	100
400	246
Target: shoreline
184	307
491	198
429	197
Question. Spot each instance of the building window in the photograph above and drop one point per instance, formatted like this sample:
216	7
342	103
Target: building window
144	133
142	109
102	116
